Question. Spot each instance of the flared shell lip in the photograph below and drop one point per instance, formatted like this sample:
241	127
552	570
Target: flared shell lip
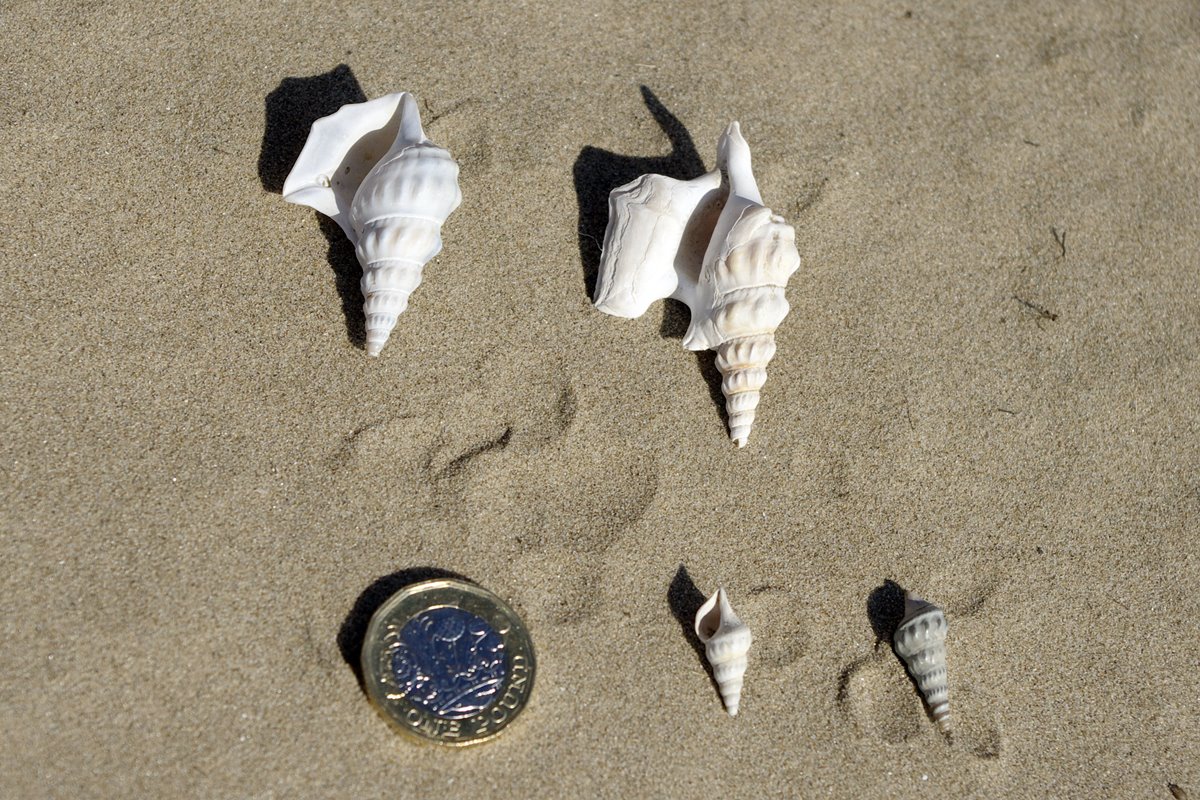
314	179
332	137
735	163
623	298
726	616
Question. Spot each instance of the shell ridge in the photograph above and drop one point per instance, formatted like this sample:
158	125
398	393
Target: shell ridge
738	291
418	217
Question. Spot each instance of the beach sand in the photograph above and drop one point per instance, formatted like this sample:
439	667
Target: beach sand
987	392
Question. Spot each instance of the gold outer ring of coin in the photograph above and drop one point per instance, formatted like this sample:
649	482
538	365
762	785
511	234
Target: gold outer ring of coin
412	719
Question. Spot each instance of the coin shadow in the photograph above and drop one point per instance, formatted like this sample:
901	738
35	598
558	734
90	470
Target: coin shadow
684	600
353	632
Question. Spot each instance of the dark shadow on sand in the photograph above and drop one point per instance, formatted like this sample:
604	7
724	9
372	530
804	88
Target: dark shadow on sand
291	109
684	600
353	632
885	609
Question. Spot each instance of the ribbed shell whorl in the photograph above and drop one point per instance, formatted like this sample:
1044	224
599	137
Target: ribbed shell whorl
412	180
760	250
398	214
750	274
921	641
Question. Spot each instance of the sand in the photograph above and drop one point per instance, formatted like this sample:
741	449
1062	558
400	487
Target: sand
987	391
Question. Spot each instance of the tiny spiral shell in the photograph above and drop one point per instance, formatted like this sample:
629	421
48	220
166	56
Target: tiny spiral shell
726	641
920	640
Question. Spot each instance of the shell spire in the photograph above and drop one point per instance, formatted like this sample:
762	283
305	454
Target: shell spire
739	299
726	641
711	243
920	640
371	168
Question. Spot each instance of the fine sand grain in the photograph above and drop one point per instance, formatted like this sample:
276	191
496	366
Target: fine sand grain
987	391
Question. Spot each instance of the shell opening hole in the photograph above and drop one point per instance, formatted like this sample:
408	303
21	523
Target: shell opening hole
709	622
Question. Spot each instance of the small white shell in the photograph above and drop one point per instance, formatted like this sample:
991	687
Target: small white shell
920	640
726	641
712	244
371	169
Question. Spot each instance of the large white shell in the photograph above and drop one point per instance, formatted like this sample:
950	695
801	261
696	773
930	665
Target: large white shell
726	641
370	168
711	243
920	640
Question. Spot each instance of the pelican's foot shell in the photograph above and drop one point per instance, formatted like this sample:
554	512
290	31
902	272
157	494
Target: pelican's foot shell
371	168
712	244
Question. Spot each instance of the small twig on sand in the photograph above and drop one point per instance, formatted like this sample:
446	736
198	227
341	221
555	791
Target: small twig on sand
1061	238
1035	308
586	235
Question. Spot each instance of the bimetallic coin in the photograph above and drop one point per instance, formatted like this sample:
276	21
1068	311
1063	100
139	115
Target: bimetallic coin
448	662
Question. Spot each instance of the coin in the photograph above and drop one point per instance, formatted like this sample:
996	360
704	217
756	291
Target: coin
448	662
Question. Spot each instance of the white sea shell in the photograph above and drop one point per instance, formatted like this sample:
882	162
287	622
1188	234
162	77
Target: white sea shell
920	640
726	641
370	168
712	244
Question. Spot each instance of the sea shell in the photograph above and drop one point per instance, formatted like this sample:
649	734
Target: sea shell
371	169
711	243
921	641
726	641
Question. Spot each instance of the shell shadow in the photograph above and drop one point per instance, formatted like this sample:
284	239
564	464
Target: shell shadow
291	109
675	321
596	173
885	609
685	600
353	632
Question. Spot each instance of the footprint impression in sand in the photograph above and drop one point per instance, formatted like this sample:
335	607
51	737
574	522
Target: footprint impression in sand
503	468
